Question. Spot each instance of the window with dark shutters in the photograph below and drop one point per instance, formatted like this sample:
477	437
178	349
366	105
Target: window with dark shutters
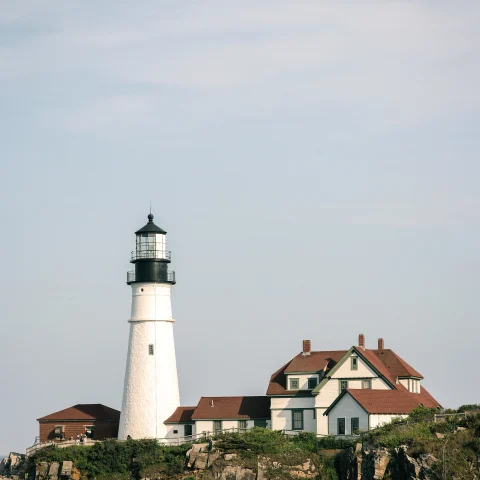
355	425
297	419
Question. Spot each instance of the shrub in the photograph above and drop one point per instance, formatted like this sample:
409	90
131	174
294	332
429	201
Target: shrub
257	440
469	407
422	414
120	458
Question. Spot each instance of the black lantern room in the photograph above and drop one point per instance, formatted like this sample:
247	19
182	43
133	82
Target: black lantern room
151	257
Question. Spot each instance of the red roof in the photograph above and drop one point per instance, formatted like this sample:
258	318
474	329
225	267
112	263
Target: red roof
396	365
391	401
94	411
386	362
210	408
181	415
314	362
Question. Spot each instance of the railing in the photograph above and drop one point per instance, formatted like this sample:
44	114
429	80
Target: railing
61	444
199	436
442	417
170	276
146	254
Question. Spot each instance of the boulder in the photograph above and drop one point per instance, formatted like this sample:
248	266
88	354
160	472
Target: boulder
375	463
212	457
201	461
41	470
67	467
3	465
230	456
410	468
53	470
236	473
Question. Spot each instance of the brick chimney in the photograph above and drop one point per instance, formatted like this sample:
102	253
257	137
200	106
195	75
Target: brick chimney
361	341
380	344
307	347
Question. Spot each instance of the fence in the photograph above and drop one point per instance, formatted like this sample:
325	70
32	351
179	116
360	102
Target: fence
62	444
442	417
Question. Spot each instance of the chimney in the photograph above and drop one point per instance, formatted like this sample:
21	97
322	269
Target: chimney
380	344
361	341
307	347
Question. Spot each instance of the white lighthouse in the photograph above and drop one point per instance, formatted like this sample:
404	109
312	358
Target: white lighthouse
150	392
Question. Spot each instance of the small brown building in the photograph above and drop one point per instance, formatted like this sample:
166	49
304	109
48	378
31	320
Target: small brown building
96	421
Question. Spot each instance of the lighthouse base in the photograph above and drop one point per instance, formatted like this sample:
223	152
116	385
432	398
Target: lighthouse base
151	392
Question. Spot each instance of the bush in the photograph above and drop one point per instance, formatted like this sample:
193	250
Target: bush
422	414
120	458
257	440
469	407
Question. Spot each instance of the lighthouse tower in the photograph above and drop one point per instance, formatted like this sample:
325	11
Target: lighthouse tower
150	393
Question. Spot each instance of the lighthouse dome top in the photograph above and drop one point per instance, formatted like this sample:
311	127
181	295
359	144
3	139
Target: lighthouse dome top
150	227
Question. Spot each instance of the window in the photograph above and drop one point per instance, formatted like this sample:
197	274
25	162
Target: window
297	419
355	425
175	431
89	431
314	413
354	363
340	426
150	349
343	385
294	384
260	423
217	425
366	384
242	424
312	383
59	432
188	430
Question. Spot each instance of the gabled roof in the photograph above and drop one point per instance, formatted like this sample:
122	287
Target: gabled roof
385	362
225	408
387	401
181	415
94	411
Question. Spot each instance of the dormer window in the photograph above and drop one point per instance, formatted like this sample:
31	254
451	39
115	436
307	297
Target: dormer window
312	383
354	363
294	383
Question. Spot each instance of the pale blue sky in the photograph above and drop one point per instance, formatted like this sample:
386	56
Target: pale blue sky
315	164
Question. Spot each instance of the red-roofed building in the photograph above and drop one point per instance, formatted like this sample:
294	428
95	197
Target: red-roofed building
215	414
354	410
308	393
334	392
94	420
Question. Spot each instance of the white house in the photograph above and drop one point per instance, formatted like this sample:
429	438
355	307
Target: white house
217	414
359	410
307	393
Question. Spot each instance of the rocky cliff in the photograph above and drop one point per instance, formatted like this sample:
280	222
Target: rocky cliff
411	450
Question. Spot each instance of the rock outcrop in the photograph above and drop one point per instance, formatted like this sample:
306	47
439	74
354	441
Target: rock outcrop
12	466
379	463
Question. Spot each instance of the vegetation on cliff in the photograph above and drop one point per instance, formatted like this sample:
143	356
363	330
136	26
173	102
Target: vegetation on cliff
450	446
